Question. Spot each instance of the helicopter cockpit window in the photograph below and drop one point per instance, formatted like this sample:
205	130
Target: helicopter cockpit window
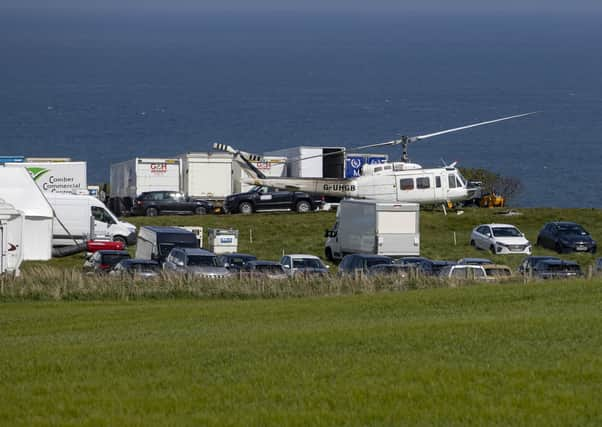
423	182
406	184
378	169
451	181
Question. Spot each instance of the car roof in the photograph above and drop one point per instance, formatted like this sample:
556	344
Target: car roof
414	258
557	262
139	261
260	262
166	229
302	256
497	225
496	266
466	266
236	254
563	223
195	251
481	260
112	252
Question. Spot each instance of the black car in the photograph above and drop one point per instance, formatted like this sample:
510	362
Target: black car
422	265
153	203
556	269
563	236
266	199
235	262
527	264
361	263
103	261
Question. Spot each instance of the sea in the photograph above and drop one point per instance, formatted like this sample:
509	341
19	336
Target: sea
107	86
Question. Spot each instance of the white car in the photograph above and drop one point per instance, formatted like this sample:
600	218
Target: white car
303	265
500	239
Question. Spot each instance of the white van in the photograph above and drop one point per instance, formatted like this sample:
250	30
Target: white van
75	212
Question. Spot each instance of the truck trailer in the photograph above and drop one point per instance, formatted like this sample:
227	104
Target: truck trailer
56	175
135	176
374	227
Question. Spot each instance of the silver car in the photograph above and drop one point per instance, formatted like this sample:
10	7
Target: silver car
193	261
303	265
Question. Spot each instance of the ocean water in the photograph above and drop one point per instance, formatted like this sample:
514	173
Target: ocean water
106	87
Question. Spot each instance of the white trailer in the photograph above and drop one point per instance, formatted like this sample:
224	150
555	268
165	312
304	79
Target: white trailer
269	165
207	175
56	175
11	239
313	162
18	189
135	176
374	227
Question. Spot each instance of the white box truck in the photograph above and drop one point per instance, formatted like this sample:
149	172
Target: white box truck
135	176
80	217
374	227
270	166
57	176
207	175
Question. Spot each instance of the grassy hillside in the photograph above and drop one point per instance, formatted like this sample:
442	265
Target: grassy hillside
275	233
504	355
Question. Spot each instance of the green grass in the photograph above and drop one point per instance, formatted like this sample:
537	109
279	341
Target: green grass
275	233
480	355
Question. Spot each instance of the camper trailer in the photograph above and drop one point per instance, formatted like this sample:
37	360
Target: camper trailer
81	217
133	177
11	239
56	175
18	189
373	227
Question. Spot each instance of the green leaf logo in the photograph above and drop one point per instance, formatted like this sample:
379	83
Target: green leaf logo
37	172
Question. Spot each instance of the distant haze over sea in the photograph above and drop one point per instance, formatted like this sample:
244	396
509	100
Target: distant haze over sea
110	85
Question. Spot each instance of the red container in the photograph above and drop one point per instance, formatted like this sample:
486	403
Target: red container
101	245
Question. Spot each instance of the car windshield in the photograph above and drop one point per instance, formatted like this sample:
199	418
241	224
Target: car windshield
113	259
307	263
572	229
239	261
498	272
376	261
201	261
506	232
269	269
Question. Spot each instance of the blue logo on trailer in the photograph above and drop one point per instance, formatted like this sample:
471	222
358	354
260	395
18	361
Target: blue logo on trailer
11	159
353	166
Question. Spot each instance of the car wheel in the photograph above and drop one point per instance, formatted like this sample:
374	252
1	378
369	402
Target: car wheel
538	243
245	208
200	210
122	240
558	248
303	206
492	249
152	212
473	244
328	253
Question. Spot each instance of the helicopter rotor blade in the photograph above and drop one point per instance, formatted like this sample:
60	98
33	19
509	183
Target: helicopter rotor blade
442	132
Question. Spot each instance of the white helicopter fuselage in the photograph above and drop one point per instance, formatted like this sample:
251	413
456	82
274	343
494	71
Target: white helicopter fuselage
397	181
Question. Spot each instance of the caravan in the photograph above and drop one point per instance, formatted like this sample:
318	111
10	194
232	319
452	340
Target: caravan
18	189
11	237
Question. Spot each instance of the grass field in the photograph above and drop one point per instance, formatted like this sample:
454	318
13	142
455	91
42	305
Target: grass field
480	355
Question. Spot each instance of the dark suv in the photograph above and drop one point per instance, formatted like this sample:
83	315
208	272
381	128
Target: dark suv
361	263
563	236
153	203
265	198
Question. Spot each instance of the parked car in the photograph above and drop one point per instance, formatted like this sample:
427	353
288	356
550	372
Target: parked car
422	265
264	269
194	261
399	270
527	264
474	261
265	198
497	272
102	262
303	265
235	262
464	272
153	203
361	263
137	269
598	266
556	269
500	239
563	236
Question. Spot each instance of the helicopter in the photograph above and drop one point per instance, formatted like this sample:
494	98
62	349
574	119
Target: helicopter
400	181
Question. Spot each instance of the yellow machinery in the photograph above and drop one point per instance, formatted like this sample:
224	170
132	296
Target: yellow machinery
492	200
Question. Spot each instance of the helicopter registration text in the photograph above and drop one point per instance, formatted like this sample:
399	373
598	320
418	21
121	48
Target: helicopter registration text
339	187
